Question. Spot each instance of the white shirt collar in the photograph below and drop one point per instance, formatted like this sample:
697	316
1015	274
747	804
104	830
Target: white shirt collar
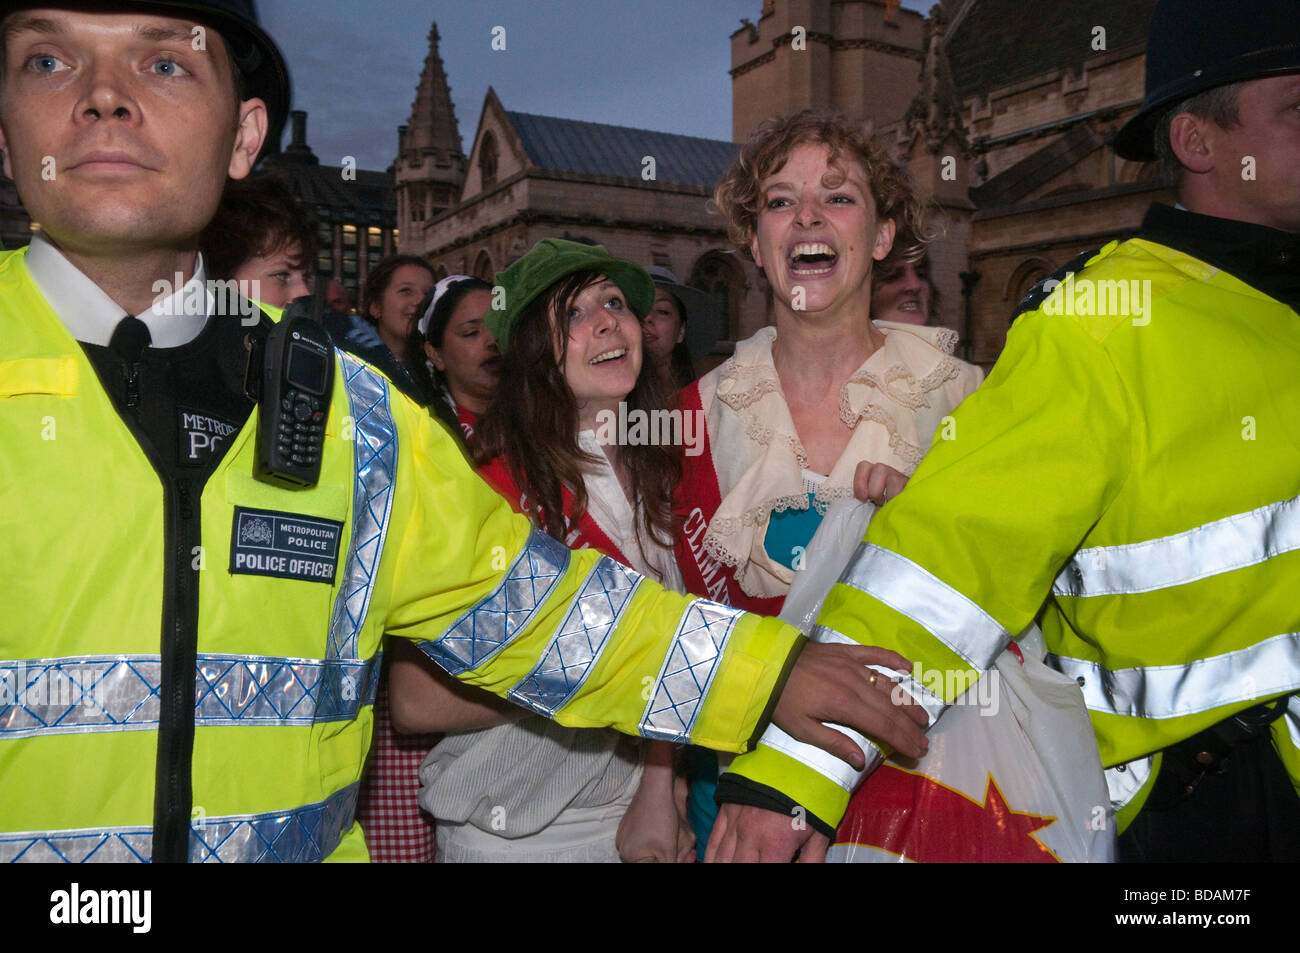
90	315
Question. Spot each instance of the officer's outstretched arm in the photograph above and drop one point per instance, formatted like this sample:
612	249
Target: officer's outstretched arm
578	637
571	635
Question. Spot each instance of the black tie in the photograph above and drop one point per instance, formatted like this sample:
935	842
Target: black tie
130	338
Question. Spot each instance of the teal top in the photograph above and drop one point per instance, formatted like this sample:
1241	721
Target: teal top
789	533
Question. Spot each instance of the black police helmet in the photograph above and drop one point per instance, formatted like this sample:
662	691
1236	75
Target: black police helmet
1195	45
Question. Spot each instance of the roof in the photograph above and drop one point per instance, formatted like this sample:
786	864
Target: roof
992	46
1037	169
570	145
368	200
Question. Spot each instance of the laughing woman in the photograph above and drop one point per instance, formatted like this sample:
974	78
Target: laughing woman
826	396
530	789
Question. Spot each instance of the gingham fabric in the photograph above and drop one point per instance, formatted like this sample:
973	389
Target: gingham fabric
398	830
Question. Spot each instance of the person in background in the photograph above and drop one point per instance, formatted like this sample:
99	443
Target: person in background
823	403
337	297
664	329
530	790
262	238
451	351
392	293
905	294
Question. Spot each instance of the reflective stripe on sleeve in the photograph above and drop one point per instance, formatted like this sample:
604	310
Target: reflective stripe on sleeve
1233	542
687	673
491	625
301	835
578	642
825	763
375	448
120	693
1268	668
962	626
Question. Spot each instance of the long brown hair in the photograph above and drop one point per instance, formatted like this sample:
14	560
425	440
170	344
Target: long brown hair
533	423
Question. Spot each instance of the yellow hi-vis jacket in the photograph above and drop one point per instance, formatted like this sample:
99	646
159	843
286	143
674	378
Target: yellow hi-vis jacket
1131	467
286	668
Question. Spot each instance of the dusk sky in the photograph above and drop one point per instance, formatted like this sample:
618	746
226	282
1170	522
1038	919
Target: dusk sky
653	64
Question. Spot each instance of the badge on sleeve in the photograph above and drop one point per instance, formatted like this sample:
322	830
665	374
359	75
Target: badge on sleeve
284	545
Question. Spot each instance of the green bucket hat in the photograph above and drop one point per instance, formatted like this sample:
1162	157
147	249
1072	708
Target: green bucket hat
552	259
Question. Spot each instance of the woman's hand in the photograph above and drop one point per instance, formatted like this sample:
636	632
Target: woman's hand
651	830
877	482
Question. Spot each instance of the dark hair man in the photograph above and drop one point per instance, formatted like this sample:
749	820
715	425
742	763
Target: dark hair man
192	652
1131	469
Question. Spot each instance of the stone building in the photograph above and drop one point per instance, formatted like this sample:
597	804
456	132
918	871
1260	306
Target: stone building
354	208
642	194
429	172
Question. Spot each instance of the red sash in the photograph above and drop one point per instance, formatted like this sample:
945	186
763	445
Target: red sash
697	500
585	535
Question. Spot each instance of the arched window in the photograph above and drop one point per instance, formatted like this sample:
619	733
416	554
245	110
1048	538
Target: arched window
1027	274
722	279
487	160
483	267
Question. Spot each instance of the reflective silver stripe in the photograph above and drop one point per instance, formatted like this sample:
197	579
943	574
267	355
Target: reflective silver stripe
823	762
1268	668
116	845
578	642
961	625
120	693
68	695
236	690
491	625
301	835
688	671
375	447
1124	781
1233	542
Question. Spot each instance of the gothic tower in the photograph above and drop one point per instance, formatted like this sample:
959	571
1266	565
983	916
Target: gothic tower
430	166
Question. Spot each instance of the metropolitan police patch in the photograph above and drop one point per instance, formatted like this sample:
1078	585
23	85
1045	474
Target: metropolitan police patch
285	545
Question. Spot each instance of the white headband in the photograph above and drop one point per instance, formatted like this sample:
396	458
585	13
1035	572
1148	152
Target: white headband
439	290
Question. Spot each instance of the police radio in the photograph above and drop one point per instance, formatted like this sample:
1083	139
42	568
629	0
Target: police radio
297	361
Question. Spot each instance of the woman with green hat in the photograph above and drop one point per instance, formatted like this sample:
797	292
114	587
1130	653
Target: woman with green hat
572	360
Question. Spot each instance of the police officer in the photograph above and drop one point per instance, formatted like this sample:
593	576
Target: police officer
188	653
1151	506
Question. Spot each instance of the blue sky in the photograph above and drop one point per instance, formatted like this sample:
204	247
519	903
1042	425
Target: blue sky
656	64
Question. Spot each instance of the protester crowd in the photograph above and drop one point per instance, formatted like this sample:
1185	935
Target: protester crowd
852	391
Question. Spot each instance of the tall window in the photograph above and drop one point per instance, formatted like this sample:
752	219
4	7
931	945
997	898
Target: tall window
722	280
487	161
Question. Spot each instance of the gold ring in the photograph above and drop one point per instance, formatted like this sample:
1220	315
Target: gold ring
874	678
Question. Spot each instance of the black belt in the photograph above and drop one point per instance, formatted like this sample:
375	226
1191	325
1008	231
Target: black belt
1186	764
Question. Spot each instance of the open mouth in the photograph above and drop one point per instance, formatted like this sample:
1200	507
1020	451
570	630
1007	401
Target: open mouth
909	304
811	259
608	356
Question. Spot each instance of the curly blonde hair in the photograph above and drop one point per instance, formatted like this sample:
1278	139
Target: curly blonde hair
738	196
